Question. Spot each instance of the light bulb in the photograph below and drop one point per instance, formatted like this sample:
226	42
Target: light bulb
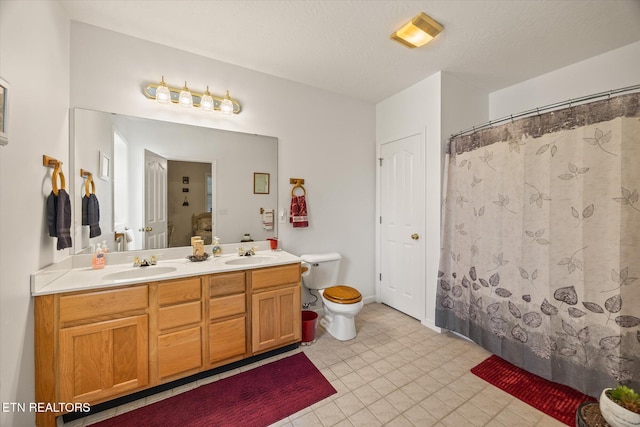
185	99
206	102
163	95
226	106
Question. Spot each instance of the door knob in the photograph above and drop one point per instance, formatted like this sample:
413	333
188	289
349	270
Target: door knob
146	229
415	236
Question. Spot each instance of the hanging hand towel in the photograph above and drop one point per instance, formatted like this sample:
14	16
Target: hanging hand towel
63	219
298	214
91	214
52	209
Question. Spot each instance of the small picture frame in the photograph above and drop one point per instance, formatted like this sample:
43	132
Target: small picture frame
185	179
105	166
260	183
4	110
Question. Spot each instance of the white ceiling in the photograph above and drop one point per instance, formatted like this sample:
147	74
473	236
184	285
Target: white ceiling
343	45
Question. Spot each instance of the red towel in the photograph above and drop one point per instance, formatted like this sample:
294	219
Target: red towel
298	214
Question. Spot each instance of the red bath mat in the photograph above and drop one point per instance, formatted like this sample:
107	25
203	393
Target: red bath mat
255	398
556	400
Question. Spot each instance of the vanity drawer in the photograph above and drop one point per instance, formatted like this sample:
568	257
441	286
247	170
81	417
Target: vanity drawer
179	315
226	306
177	291
275	276
226	284
93	304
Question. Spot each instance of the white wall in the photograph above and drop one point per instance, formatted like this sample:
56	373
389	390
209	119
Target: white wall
612	70
416	110
325	138
436	107
34	59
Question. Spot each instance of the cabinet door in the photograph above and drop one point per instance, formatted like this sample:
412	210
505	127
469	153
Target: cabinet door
227	340
104	359
275	318
179	352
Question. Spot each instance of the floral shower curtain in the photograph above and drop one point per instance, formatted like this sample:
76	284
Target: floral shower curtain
540	260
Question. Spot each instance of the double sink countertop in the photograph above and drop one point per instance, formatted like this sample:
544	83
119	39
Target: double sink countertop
76	274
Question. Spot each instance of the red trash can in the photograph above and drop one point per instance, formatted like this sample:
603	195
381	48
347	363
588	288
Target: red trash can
309	325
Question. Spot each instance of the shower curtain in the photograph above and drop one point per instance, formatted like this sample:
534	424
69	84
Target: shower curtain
540	252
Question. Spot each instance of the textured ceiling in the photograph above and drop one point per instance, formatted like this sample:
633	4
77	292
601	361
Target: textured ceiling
343	46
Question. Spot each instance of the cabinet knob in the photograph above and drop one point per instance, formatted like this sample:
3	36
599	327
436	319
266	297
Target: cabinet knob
415	236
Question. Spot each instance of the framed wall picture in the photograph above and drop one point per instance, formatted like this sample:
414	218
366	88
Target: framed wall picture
4	109
260	183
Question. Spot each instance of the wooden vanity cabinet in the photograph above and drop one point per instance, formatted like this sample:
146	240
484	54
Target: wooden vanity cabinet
177	329
94	346
90	346
227	318
276	318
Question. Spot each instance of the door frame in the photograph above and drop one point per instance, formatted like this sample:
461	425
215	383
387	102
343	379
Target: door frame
378	233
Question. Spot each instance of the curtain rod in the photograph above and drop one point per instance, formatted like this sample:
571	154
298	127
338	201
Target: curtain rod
511	117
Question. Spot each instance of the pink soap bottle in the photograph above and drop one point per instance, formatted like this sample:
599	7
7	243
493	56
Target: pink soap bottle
97	261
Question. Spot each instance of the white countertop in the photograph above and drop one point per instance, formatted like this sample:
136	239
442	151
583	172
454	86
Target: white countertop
74	275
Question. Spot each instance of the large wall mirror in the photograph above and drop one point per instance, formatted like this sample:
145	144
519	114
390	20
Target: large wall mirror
169	181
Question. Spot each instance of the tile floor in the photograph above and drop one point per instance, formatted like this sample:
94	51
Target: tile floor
396	372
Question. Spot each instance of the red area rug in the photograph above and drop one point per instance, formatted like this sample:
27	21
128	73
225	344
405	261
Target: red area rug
254	398
556	400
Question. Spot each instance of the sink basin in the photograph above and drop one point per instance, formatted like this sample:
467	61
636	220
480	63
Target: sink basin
250	260
138	273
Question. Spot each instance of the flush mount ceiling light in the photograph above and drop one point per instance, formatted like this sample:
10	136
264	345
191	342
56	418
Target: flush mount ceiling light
164	94
420	31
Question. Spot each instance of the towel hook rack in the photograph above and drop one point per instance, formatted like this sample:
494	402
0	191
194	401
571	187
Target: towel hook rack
56	164
297	183
86	174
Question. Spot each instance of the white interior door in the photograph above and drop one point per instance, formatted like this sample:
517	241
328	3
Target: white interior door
155	196
402	217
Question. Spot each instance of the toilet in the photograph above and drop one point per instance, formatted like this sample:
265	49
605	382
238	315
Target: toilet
341	303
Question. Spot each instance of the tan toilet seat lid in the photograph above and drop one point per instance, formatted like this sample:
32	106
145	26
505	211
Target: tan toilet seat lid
342	294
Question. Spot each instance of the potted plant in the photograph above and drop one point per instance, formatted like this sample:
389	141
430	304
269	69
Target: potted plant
620	406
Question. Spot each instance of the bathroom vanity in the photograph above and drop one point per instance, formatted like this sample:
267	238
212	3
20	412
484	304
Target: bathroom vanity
96	340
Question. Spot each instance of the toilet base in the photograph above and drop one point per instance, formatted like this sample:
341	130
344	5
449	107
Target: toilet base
340	326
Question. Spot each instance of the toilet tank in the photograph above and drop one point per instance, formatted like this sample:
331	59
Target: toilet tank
323	270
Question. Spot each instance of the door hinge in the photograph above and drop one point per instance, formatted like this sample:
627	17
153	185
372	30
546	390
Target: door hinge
380	220
380	278
380	160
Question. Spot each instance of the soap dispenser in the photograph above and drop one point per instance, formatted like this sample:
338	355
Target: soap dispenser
97	261
217	250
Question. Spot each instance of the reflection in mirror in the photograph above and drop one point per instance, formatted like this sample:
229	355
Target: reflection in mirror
170	181
260	183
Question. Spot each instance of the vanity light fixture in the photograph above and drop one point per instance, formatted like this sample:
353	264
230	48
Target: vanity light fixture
226	106
420	31
164	94
206	102
185	99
